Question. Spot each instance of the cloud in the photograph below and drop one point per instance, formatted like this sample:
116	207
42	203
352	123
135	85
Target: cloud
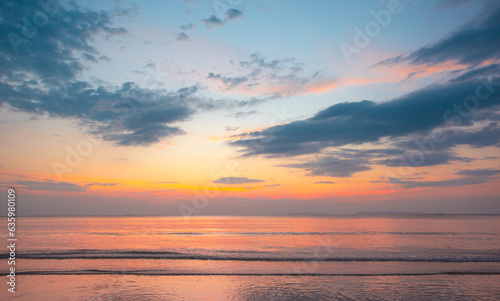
229	15
332	166
472	44
189	26
104	58
242	114
127	116
471	177
41	78
273	185
479	172
100	184
233	14
231	128
440	113
237	180
183	37
478	73
437	146
51	52
230	82
258	75
50	186
444	183
435	158
325	182
367	122
212	22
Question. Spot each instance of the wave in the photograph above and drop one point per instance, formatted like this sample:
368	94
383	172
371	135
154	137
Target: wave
280	233
243	256
163	273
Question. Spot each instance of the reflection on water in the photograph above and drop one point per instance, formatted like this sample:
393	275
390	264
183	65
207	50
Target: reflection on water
126	287
258	258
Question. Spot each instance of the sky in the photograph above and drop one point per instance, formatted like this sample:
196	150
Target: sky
239	107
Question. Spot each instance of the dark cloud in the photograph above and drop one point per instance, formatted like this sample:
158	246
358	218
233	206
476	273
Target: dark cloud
325	182
233	14
368	122
479	172
486	136
127	116
237	180
444	183
50	52
39	77
332	166
472	44
50	186
420	159
471	177
437	146
478	73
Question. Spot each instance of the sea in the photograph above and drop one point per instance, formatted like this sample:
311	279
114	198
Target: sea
345	257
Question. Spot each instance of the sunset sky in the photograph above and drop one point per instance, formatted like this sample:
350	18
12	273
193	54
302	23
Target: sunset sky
250	107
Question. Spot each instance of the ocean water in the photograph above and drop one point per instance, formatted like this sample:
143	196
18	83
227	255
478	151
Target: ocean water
417	257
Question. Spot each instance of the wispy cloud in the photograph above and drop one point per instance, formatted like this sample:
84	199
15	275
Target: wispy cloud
212	22
237	180
189	26
243	114
471	177
50	186
182	37
258	75
229	15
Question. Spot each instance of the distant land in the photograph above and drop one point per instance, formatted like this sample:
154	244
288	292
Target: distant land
393	212
389	212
